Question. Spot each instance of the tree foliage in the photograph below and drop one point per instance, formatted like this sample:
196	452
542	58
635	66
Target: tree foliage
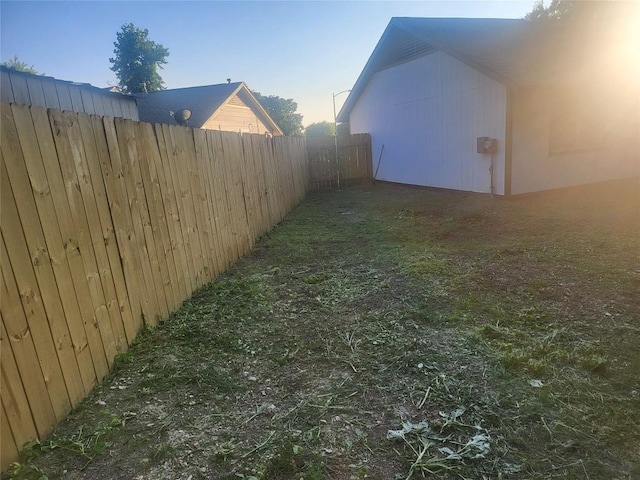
16	64
320	129
283	111
344	128
577	11
137	59
557	9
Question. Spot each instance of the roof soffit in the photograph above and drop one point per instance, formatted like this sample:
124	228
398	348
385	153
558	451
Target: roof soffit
403	34
450	49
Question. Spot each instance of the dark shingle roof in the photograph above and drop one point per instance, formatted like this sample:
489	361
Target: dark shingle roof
512	51
154	107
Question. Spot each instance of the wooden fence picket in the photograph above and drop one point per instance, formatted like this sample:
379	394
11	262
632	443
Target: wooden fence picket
100	177
93	305
156	230
26	339
30	263
178	164
197	197
92	190
111	167
174	203
20	427
230	191
9	451
206	197
144	246
79	379
190	177
153	185
218	189
236	191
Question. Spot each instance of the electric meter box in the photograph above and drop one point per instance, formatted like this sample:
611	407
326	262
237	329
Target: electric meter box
486	145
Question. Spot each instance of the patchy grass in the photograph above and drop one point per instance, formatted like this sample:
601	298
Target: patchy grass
389	332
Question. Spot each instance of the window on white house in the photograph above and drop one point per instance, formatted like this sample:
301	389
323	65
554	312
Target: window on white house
574	122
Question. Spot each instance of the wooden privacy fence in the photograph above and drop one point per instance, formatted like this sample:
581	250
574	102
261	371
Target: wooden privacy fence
106	224
29	89
354	165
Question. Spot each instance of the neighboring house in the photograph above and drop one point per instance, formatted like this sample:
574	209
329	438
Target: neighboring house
29	89
564	106
229	107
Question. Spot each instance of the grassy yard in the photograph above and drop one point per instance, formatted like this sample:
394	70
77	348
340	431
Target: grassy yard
389	332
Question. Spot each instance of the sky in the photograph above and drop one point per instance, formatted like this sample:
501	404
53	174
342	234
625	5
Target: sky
304	50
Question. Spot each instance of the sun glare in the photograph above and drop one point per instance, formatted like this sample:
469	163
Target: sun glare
618	50
630	40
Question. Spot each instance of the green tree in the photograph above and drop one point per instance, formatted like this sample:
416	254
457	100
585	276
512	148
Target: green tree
16	64
344	129
283	112
137	60
579	10
320	129
556	10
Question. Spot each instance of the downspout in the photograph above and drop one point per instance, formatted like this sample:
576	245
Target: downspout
492	187
508	143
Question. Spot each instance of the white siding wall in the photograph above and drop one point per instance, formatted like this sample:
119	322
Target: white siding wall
535	168
427	113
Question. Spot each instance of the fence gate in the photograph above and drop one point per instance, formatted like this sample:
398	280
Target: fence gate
352	166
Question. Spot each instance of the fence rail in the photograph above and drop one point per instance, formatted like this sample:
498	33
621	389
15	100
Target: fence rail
107	224
352	166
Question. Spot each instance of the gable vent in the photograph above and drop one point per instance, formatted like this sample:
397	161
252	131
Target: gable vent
235	101
402	47
406	53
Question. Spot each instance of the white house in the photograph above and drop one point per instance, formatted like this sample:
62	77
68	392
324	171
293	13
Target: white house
563	106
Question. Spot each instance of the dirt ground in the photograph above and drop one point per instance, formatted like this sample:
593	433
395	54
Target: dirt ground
388	332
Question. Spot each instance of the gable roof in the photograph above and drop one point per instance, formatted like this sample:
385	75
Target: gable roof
203	102
513	52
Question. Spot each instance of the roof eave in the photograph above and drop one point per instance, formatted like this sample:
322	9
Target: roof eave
458	56
276	129
367	71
